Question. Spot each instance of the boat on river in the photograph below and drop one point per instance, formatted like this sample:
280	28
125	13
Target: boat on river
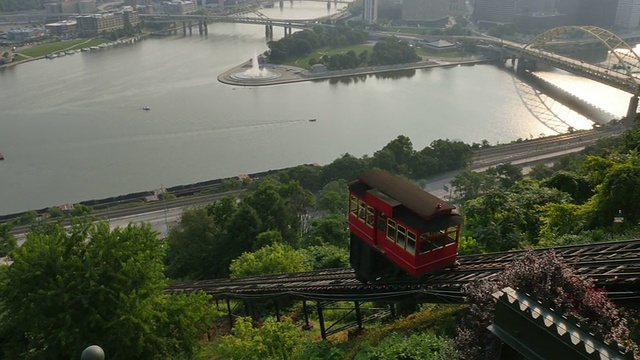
1	156
146	108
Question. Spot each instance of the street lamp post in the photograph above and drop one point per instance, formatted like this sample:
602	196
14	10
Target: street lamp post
93	352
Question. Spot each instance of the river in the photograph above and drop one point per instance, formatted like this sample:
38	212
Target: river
73	128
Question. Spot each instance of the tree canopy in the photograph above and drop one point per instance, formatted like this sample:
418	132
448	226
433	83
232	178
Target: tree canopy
70	288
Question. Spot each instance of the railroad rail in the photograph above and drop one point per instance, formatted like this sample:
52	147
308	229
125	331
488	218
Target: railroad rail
613	265
514	151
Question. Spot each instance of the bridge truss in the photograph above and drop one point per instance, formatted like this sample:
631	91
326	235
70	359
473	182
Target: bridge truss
623	52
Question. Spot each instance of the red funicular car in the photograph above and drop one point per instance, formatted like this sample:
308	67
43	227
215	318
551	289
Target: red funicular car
397	228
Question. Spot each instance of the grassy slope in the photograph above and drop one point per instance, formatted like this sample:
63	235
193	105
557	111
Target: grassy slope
44	49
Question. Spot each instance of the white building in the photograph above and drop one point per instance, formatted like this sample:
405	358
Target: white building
370	11
628	13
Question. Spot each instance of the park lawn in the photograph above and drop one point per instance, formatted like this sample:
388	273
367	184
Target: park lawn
304	62
442	55
18	57
44	49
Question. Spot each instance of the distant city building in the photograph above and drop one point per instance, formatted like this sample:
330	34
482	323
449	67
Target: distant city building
62	28
538	15
601	13
130	16
430	11
179	7
134	3
24	35
91	25
494	11
628	13
536	7
540	21
370	14
87	6
70	7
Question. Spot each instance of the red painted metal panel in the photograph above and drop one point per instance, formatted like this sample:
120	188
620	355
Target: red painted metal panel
379	204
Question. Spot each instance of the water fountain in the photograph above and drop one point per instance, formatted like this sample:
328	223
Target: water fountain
255	72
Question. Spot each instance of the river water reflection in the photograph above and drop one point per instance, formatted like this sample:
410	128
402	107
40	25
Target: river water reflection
73	128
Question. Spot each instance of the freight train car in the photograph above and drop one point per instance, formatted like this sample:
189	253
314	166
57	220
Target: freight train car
398	229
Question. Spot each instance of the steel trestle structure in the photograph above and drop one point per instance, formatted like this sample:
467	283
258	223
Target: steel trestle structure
614	266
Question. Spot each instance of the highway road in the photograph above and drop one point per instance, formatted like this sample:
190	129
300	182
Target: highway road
524	153
161	215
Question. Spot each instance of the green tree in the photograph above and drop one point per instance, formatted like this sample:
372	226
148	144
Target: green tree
395	156
559	220
502	220
192	245
507	174
27	218
540	172
222	210
309	176
330	229
274	340
469	184
68	288
334	197
267	238
271	259
326	256
8	242
573	184
452	154
346	167
241	234
277	212
422	346
618	193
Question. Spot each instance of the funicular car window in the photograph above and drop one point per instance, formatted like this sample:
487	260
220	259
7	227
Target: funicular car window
370	215
411	242
391	230
361	210
402	235
353	205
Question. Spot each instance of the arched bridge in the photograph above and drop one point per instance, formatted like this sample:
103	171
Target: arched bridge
619	75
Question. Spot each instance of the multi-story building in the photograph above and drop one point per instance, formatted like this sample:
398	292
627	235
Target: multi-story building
600	13
24	35
130	16
178	7
87	6
494	11
70	7
370	14
90	25
628	14
62	28
426	11
134	3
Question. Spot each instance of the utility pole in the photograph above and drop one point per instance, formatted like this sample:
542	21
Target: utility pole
164	202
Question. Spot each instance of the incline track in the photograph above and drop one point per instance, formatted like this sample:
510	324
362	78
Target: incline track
613	265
